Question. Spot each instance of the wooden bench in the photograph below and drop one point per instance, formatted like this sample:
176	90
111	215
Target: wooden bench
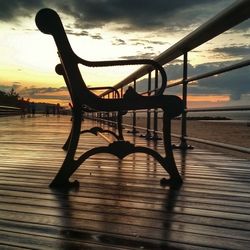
49	22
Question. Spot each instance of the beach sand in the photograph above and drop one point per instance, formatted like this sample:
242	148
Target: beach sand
220	131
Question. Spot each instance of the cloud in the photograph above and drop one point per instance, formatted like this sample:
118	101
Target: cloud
97	36
234	51
135	15
130	14
244	26
33	91
76	33
60	93
140	55
234	83
136	41
5	88
71	31
155	14
118	41
11	10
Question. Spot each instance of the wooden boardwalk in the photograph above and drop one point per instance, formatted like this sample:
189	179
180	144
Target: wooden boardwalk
120	204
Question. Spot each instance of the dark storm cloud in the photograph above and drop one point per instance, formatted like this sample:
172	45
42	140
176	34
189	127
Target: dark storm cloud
234	83
10	10
131	14
139	15
81	33
242	27
234	51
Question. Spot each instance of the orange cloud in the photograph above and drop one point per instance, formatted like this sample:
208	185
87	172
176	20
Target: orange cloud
209	98
201	101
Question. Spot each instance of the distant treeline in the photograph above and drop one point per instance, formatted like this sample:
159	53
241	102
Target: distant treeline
10	98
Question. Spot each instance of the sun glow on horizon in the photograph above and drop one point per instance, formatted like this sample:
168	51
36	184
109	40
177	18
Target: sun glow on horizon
196	101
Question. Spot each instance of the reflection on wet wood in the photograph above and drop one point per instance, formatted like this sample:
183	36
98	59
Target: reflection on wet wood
120	204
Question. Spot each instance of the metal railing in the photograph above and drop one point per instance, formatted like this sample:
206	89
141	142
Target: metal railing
227	19
8	111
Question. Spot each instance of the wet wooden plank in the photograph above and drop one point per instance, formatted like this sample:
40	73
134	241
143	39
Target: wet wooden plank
120	204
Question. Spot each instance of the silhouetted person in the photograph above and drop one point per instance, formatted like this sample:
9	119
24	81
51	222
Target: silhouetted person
54	109
47	110
33	109
23	108
58	109
28	108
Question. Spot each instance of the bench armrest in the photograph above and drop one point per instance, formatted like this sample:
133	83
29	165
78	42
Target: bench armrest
153	63
60	71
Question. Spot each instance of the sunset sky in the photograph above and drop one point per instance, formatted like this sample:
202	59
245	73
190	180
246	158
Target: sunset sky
118	29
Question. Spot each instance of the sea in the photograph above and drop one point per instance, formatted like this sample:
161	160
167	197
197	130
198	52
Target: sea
223	116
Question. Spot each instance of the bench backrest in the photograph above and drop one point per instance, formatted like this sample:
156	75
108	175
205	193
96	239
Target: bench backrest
49	22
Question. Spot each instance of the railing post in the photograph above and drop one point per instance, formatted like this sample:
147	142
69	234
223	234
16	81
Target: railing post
134	131
148	135
183	145
113	114
155	135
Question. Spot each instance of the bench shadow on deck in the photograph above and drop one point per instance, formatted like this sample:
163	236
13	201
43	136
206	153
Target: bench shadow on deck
120	204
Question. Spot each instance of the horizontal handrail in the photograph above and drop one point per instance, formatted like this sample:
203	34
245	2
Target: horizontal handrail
211	73
214	109
8	110
237	108
219	144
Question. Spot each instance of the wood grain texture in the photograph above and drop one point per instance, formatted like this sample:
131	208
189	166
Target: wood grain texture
120	204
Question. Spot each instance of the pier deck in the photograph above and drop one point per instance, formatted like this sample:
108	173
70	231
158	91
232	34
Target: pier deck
120	204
